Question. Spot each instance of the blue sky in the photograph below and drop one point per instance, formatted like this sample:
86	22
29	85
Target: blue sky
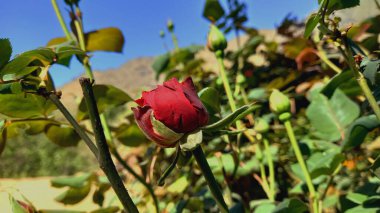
32	23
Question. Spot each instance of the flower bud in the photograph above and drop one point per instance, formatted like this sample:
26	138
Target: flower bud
170	111
170	25
162	34
261	126
216	40
278	102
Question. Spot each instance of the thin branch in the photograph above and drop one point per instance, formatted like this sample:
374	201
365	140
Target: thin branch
105	160
55	99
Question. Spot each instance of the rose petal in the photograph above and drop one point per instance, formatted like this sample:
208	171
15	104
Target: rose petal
143	119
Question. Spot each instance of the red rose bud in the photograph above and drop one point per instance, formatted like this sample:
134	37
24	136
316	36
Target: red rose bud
166	113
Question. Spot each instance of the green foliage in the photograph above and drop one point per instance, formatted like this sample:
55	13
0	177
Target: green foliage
370	70
212	10
358	131
107	96
37	156
130	135
291	205
320	163
6	51
25	106
109	39
330	117
210	99
222	123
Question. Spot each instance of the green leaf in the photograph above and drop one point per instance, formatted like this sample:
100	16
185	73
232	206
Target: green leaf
370	69
11	88
160	63
62	136
330	117
74	195
358	131
65	53
72	181
320	163
265	208
291	205
345	81
107	96
224	122
107	39
131	135
311	23
179	185
26	63
356	197
78	188
340	4
5	51
56	41
213	10
375	167
111	209
210	99
25	105
16	206
246	112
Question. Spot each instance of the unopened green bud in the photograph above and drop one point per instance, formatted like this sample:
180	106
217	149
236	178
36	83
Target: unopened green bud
162	34
261	126
170	25
216	40
240	79
278	102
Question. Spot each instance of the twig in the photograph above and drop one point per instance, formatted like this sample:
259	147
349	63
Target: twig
55	99
105	160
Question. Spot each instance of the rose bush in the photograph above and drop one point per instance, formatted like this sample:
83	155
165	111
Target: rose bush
168	112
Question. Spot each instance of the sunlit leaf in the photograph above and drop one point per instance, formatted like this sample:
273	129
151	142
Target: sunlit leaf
311	23
107	39
6	51
72	181
62	136
131	135
210	99
330	117
25	105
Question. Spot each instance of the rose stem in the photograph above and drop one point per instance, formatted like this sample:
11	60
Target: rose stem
61	21
220	56
55	99
360	78
210	179
105	160
268	155
301	161
348	56
167	172
264	181
118	157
